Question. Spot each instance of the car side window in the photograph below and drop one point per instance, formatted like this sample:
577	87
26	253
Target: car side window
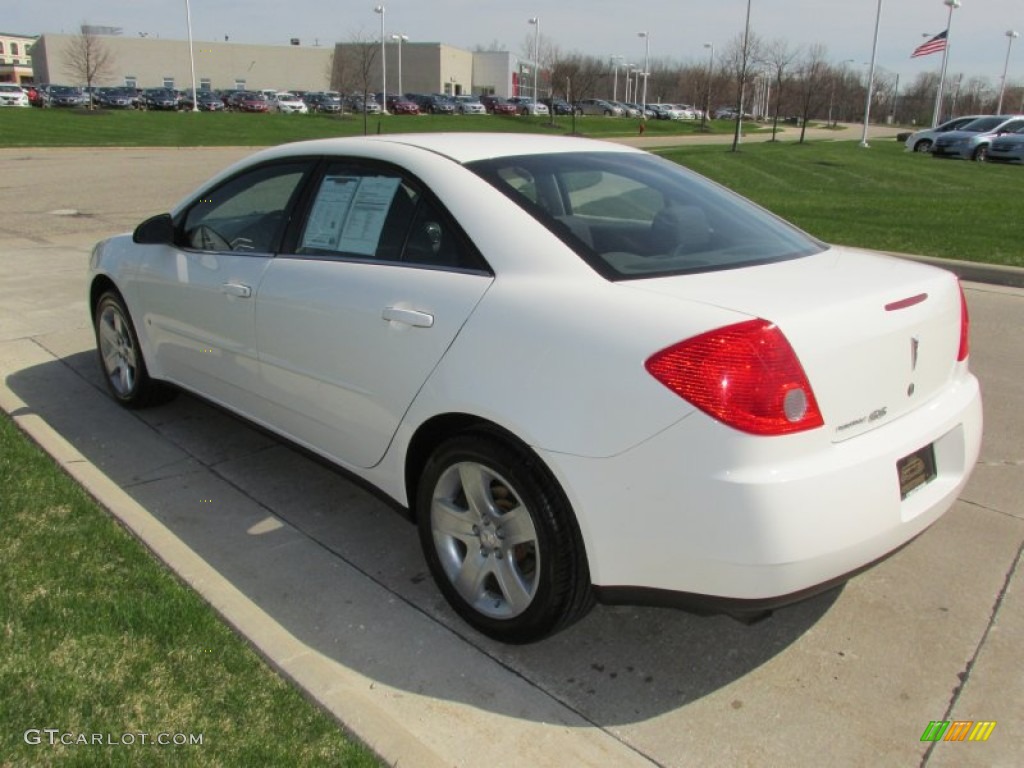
376	214
247	213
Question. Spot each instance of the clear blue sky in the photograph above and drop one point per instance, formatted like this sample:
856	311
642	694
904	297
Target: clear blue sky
678	28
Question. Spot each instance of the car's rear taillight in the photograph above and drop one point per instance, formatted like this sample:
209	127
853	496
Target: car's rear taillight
745	375
965	327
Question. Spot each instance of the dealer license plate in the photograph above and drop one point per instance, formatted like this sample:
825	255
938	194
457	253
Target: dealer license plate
916	470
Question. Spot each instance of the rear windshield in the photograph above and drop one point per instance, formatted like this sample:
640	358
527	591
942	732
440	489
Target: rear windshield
637	215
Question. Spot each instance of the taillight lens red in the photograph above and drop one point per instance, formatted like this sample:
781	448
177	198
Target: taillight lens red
745	375
965	328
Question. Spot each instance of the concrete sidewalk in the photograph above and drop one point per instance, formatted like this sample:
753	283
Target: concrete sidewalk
329	584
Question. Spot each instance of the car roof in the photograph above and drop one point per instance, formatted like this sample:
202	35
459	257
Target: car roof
460	147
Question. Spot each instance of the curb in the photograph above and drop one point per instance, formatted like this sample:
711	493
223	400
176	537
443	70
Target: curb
335	688
972	271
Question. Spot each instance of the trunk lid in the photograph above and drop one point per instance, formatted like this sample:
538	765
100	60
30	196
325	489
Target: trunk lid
877	335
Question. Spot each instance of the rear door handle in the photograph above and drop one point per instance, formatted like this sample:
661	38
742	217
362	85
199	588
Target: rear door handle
411	317
236	289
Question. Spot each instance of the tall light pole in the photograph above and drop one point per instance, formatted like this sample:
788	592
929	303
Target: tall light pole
743	84
536	54
707	99
616	60
647	70
953	5
871	79
1011	35
400	39
383	63
192	58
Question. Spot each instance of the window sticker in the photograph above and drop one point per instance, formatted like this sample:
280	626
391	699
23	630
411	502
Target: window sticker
349	212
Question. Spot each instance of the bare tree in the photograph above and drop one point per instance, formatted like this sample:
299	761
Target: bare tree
777	57
814	73
89	60
353	68
740	54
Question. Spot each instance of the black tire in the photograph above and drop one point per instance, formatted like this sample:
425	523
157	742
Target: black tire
120	356
924	145
980	154
506	553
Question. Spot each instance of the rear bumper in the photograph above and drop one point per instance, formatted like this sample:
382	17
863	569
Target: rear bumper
702	510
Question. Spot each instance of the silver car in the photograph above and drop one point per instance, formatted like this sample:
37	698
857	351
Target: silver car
921	141
598	107
971	142
1008	148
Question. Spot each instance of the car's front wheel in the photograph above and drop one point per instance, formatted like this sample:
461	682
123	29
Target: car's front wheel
500	538
980	154
924	145
120	356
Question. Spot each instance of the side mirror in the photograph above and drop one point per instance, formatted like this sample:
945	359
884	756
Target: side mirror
157	230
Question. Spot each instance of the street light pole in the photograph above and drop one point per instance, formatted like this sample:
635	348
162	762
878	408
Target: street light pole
615	77
536	54
953	4
383	63
400	39
192	58
707	99
871	79
647	70
743	84
1011	35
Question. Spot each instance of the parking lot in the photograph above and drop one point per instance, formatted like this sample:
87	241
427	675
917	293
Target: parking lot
330	585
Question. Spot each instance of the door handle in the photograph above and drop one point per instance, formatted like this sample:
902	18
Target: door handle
236	289
411	317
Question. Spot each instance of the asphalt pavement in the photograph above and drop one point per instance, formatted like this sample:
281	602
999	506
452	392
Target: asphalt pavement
328	583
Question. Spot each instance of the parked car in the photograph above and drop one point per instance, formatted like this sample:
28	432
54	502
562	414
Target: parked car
434	103
399	105
558	106
1008	148
62	96
756	416
921	141
525	105
12	95
598	107
116	98
469	105
160	99
971	141
288	103
498	105
357	104
206	101
319	101
628	110
665	112
253	102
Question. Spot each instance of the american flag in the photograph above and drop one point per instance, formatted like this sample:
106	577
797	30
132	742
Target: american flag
936	44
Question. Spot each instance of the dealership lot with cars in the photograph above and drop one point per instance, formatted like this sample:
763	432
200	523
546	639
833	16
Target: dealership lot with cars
671	686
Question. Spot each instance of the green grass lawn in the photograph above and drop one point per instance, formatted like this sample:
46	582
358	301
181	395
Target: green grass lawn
96	637
105	128
882	197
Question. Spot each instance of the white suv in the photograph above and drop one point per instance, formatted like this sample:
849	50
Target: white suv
12	95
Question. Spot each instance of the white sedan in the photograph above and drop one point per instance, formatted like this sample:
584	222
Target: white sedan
289	104
587	372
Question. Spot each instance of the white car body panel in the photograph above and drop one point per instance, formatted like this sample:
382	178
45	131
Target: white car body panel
666	497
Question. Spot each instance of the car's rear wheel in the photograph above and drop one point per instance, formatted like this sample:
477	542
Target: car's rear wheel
120	356
500	539
924	145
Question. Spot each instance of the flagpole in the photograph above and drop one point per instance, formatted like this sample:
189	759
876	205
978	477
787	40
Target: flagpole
945	58
871	79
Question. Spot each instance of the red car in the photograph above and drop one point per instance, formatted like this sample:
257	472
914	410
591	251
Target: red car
399	105
253	102
498	105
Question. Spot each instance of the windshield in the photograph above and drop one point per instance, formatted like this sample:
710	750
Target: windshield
636	215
